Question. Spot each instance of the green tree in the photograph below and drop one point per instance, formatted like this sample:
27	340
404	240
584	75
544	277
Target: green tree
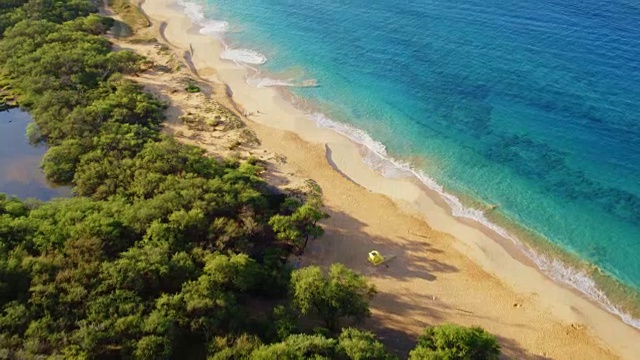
454	342
300	225
299	347
352	344
224	348
13	11
342	293
60	162
362	345
208	306
153	347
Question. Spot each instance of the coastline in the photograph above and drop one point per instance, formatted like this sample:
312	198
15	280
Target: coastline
557	262
433	279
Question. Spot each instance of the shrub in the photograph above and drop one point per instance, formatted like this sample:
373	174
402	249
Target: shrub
454	342
339	294
192	88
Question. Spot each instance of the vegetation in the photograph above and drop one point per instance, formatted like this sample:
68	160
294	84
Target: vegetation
164	252
14	11
352	344
130	14
455	343
299	223
340	294
6	103
192	88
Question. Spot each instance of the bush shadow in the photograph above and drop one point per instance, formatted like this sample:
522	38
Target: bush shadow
512	350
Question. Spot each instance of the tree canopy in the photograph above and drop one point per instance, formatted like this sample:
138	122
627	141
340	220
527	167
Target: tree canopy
57	11
454	342
342	293
352	344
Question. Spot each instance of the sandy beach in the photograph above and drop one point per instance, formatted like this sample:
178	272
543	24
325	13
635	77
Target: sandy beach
444	270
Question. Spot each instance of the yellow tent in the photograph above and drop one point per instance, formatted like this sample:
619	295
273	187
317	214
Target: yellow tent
375	258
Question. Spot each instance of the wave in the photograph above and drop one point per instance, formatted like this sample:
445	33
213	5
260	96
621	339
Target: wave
378	160
214	28
580	280
195	12
217	28
243	56
269	82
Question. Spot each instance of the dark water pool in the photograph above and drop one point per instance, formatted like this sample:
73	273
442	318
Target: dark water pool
20	173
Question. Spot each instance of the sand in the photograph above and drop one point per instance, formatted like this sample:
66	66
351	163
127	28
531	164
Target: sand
445	269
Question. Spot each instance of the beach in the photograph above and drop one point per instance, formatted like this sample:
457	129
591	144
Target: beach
444	270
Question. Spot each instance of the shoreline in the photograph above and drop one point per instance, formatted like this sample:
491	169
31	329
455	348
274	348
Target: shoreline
276	113
567	269
562	266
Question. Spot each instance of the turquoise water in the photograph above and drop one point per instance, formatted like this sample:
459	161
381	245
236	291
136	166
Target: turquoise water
528	105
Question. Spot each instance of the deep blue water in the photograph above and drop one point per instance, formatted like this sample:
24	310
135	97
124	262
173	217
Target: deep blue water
20	173
529	105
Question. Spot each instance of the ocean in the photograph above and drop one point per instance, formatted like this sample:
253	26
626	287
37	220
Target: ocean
529	108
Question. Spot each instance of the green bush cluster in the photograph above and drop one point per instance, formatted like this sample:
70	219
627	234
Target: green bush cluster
351	344
192	88
450	341
164	252
14	11
149	279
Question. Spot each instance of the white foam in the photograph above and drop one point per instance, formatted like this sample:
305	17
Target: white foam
379	161
243	56
268	82
353	133
262	82
195	12
217	28
214	28
580	280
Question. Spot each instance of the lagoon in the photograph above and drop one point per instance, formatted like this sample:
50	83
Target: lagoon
20	173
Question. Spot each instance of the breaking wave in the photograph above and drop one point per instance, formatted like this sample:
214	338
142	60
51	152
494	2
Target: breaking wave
262	82
243	56
211	27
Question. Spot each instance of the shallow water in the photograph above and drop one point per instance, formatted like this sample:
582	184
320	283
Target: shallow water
20	173
529	106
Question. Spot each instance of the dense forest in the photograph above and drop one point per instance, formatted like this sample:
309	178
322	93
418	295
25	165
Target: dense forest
163	252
